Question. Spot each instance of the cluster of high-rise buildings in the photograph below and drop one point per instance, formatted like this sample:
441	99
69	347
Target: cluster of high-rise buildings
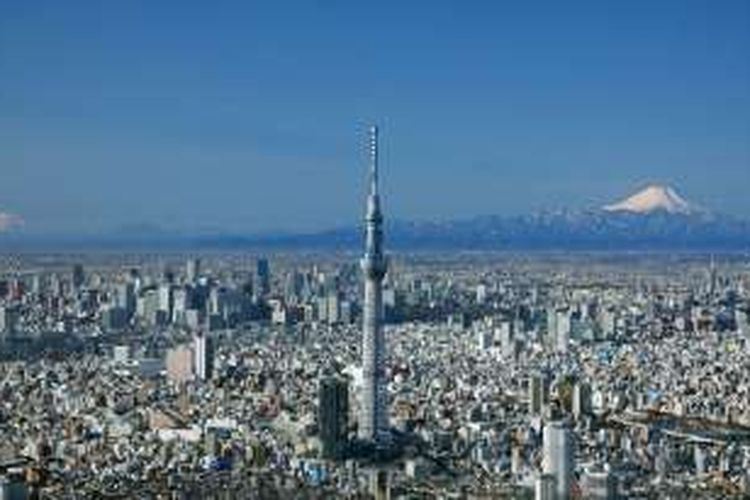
424	375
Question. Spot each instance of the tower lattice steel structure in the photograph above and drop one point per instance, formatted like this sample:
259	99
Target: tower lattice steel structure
373	421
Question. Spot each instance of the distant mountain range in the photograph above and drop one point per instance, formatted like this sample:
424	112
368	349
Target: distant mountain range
655	218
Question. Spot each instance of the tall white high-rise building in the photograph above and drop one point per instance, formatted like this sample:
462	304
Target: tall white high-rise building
562	324
203	353
165	299
558	456
192	270
373	418
741	320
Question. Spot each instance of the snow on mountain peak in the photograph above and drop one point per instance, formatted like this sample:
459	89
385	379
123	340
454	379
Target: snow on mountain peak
651	199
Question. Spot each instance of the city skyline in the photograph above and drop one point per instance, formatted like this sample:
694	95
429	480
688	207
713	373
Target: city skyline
115	117
208	291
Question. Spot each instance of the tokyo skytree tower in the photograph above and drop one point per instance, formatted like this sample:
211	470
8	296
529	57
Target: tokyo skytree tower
373	421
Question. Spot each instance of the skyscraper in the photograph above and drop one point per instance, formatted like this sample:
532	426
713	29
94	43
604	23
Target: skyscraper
192	270
79	276
373	421
263	273
562	330
125	298
203	352
333	415
581	400
538	394
558	456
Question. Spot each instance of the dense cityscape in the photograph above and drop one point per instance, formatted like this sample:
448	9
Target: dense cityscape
429	375
169	374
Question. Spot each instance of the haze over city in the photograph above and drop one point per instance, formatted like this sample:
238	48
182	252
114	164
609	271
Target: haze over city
248	117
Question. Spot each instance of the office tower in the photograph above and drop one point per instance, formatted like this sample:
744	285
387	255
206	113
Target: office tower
345	312
505	335
551	326
322	307
279	312
741	322
333	416
558	456
180	304
192	270
147	307
334	309
203	352
581	400
114	318
247	286
373	422
562	336
713	278
125	298
9	316
55	286
538	397
481	293
215	301
263	273
36	284
293	288
165	299
3	319
607	323
168	275
485	340
79	277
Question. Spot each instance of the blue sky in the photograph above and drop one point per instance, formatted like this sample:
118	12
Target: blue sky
250	116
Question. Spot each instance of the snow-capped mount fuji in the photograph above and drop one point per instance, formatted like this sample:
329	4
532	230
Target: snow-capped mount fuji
651	199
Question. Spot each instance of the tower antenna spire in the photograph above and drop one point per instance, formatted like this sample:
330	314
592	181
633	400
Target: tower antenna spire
374	160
